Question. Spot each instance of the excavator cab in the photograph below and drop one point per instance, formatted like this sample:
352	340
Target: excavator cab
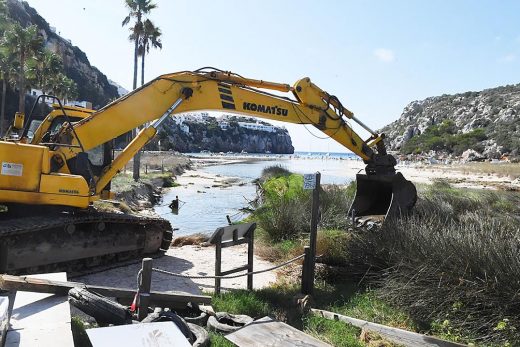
379	197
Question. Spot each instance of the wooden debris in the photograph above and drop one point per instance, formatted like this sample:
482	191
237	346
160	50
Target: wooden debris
164	299
269	332
396	335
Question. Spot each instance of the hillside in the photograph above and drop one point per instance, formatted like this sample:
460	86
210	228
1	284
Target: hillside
487	122
92	84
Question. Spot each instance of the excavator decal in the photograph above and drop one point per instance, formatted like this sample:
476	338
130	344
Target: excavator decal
226	97
249	106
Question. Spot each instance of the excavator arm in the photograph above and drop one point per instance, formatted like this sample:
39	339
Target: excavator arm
224	91
171	94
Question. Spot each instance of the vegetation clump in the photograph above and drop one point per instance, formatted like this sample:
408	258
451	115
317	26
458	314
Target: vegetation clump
444	137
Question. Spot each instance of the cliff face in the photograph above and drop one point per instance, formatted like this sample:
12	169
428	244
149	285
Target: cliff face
92	85
210	137
485	122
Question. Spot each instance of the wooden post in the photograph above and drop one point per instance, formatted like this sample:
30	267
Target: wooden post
146	169
314	226
250	259
162	165
310	257
306	280
218	264
144	288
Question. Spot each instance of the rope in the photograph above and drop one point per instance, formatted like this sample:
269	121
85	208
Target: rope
233	276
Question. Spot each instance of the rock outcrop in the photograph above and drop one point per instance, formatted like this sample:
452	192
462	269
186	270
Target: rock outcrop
486	122
208	136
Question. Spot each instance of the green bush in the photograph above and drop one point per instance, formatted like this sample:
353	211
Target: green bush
285	210
443	137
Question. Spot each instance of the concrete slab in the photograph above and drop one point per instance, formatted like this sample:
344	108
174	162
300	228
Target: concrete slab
161	334
4	318
39	319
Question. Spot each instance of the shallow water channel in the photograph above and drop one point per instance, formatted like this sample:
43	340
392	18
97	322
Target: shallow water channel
213	192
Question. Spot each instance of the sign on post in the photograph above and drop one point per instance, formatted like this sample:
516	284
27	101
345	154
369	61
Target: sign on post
309	181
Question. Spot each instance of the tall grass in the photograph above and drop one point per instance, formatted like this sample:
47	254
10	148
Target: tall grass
454	263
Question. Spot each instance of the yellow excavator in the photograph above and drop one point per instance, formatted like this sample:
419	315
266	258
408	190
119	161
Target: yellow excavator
53	170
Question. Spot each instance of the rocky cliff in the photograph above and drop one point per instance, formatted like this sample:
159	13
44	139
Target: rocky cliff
208	136
92	85
486	122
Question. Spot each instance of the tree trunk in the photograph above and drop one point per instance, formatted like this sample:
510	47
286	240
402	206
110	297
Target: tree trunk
2	111
21	86
137	157
142	68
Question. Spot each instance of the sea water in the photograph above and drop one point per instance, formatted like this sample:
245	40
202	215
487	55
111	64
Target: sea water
204	209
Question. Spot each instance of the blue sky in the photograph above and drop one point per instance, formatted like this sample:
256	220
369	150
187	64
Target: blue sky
376	56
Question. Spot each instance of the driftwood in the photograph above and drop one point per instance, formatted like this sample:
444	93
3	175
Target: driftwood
396	335
23	283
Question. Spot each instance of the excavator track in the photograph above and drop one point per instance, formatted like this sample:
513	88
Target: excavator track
79	243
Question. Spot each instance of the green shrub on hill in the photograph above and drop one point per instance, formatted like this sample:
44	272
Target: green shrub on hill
443	137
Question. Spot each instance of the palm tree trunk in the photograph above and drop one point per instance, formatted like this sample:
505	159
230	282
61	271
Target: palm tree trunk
137	157
142	68
136	54
21	85
2	111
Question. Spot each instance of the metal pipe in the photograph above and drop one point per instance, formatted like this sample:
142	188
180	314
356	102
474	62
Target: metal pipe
158	122
364	126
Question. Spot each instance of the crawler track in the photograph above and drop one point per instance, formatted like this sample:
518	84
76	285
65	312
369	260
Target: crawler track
78	243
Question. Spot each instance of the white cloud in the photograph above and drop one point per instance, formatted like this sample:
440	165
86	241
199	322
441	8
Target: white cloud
384	55
508	58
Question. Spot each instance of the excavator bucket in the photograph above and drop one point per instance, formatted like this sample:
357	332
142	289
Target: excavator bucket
379	197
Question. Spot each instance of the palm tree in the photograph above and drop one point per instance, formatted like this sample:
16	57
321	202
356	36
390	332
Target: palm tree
42	68
24	43
138	8
63	87
150	39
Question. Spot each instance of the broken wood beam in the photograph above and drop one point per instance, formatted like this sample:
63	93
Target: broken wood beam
396	335
164	299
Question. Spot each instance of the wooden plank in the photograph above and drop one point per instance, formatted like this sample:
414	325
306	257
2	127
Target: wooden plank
396	335
23	283
40	319
269	332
